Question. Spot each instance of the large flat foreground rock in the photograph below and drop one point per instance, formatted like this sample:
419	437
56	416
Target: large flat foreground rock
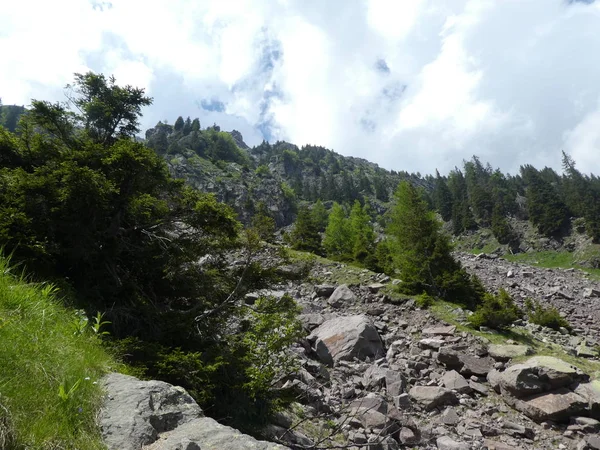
345	338
158	416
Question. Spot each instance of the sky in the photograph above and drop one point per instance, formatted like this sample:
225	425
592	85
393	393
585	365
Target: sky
411	85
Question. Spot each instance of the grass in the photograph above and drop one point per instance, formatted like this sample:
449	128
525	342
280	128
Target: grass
552	260
51	363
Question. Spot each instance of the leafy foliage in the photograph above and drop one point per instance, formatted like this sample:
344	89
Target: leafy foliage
83	203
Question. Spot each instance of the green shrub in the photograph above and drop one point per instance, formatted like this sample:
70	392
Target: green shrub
424	300
546	317
496	311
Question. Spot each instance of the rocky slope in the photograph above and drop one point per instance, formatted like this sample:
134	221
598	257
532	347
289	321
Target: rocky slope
376	372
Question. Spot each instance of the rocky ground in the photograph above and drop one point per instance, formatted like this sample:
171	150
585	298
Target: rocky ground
376	372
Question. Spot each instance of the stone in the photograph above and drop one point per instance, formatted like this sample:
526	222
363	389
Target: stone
311	321
557	406
408	436
402	401
495	445
591	393
432	396
323	353
444	330
375	287
447	443
455	381
342	296
464	363
432	343
506	352
206	433
587	424
591	292
449	417
158	416
349	337
135	412
324	290
479	388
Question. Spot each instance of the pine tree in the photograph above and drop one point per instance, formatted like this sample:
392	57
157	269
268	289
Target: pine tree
320	215
422	254
196	124
305	235
546	210
187	126
442	197
338	235
362	234
178	124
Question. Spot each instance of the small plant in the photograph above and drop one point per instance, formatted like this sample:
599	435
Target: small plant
546	317
496	311
424	300
64	394
99	323
79	323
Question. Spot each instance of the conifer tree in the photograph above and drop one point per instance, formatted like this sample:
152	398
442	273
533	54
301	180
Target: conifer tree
338	235
422	254
187	126
363	236
196	124
320	215
305	235
442	197
178	124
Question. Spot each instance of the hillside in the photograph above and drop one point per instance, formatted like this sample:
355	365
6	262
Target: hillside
278	175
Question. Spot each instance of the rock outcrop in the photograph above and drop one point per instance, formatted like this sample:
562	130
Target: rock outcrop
154	415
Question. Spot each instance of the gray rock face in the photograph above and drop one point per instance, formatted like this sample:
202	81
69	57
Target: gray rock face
349	337
158	416
135	411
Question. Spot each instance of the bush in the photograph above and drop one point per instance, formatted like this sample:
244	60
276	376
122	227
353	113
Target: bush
424	300
496	311
546	317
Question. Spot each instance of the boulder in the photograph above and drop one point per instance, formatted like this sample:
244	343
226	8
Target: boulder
539	374
557	406
324	290
432	396
135	412
207	433
447	443
158	416
349	337
454	381
506	352
342	296
443	330
591	393
464	363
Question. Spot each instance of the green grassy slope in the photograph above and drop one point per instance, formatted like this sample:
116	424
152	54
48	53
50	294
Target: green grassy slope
50	365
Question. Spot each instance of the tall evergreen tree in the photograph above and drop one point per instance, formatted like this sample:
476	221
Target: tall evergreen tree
422	253
338	235
363	236
305	235
442	197
178	124
546	210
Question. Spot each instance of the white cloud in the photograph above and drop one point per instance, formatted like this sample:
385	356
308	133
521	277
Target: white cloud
513	82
